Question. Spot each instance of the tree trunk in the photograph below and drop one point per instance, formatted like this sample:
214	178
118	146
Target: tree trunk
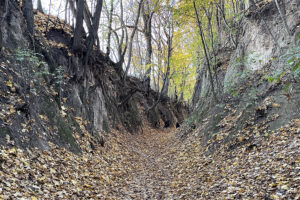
233	6
66	12
28	15
147	18
252	5
199	74
77	41
5	11
93	30
109	28
154	82
72	8
227	26
211	34
205	52
165	88
283	18
148	59
218	21
39	6
48	19
131	39
182	85
122	48
241	5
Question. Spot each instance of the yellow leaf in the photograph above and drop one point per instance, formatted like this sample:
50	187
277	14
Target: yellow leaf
219	137
33	198
13	150
43	117
174	184
276	105
54	93
106	178
9	83
42	178
12	110
240	139
31	84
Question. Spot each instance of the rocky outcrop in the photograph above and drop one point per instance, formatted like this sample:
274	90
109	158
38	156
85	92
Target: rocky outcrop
13	27
264	38
253	73
51	95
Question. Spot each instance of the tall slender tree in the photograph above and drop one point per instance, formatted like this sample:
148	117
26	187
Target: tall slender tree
132	37
205	51
39	6
2	18
148	10
77	41
169	35
28	15
110	19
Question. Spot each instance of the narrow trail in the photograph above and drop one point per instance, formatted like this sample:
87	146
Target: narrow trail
153	179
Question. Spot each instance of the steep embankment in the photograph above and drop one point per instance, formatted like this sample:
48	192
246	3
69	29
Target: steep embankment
257	81
47	90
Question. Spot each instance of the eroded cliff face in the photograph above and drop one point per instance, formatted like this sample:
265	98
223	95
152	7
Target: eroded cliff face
13	28
47	96
255	81
264	38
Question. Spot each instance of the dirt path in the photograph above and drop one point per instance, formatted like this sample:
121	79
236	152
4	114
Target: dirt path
154	177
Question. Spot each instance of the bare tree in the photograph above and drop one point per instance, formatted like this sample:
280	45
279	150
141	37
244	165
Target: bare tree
77	41
39	6
169	35
28	15
110	18
282	18
5	11
131	38
147	12
209	14
205	51
93	29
